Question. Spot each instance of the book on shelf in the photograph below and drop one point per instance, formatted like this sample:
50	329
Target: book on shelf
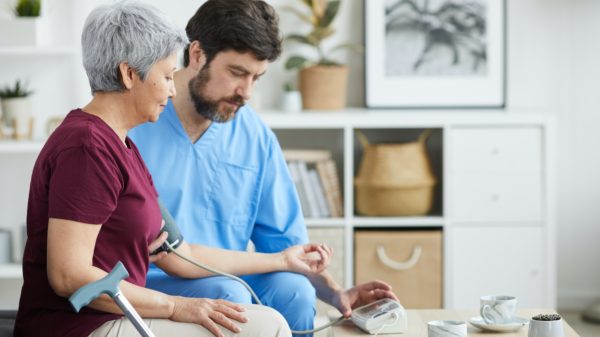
315	177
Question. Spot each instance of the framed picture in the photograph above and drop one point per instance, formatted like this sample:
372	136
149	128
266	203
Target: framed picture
435	53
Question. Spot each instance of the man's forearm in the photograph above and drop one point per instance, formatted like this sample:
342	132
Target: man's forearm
228	261
327	288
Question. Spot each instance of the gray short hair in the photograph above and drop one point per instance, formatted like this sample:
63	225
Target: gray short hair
129	32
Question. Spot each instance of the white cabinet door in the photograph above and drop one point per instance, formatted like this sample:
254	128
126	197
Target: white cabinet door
503	260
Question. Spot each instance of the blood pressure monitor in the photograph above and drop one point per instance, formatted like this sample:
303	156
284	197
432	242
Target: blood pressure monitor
381	317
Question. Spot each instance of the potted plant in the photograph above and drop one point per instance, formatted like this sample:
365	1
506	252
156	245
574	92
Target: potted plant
322	80
28	27
28	8
16	108
543	325
291	99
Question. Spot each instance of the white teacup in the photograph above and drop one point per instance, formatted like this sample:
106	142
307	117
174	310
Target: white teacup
498	309
447	329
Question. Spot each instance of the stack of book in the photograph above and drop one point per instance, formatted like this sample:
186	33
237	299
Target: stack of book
315	175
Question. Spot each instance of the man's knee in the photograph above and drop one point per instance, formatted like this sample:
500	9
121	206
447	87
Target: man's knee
291	294
298	293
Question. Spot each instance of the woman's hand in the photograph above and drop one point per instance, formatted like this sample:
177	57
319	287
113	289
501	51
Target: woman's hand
162	237
209	313
311	258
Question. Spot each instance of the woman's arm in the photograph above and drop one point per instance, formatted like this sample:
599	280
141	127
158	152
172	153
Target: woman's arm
305	259
70	254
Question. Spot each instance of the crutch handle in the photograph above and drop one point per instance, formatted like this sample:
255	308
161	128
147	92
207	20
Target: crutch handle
109	284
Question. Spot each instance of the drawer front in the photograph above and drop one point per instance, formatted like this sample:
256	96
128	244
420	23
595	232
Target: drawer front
501	260
418	285
498	197
496	150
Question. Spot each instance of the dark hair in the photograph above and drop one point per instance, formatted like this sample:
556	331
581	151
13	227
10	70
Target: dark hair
241	25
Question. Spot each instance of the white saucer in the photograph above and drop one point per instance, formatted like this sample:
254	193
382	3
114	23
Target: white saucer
517	324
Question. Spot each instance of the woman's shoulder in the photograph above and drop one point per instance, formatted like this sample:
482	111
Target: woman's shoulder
82	130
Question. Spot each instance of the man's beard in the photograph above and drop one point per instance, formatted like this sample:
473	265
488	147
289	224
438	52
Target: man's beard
209	109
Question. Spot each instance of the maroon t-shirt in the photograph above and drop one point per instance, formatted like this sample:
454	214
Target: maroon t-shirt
85	173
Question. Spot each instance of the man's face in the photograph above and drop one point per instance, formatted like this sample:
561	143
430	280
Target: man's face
225	84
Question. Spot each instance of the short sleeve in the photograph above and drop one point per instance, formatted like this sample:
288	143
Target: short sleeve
279	221
84	186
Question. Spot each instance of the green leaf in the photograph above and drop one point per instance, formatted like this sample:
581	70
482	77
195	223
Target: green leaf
319	34
301	39
303	16
28	8
296	62
357	48
309	3
330	13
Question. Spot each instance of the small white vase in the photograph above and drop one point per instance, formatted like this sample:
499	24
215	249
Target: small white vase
291	101
546	328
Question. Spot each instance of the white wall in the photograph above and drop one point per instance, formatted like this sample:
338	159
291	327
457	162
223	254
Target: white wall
553	50
579	183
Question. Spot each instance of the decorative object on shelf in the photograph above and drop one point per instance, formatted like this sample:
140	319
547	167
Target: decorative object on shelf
28	8
27	28
16	108
394	179
291	99
323	81
543	325
442	54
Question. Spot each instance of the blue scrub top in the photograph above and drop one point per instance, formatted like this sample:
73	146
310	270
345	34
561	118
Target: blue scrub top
228	188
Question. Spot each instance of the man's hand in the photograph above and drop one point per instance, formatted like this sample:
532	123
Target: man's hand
362	294
211	314
307	259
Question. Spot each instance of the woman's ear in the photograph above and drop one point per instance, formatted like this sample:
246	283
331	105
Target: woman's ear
127	75
197	56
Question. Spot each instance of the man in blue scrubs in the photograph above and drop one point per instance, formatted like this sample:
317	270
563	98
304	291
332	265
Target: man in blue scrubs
220	170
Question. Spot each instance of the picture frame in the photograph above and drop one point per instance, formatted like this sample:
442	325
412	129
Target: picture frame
435	53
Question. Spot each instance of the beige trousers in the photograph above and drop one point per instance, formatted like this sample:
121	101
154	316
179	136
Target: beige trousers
262	322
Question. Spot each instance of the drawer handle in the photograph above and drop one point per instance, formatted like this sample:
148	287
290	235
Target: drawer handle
405	265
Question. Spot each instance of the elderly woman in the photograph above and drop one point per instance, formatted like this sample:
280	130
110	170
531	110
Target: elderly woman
92	202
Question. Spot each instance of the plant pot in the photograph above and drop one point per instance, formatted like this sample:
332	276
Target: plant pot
24	31
324	87
539	328
13	107
291	101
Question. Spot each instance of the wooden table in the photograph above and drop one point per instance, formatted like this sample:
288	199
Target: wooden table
417	324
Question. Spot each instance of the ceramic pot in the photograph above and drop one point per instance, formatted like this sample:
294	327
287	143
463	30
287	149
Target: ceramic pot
546	328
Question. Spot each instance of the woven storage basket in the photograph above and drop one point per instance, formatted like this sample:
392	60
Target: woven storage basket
394	179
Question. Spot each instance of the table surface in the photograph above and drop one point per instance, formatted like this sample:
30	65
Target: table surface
417	323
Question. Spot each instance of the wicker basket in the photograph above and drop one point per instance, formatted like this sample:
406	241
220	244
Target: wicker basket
394	179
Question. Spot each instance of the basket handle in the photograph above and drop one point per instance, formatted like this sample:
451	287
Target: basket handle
404	265
424	135
362	138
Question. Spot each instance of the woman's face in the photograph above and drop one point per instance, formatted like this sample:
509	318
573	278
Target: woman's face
151	96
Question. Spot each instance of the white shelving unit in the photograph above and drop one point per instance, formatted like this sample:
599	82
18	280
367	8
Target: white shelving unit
490	216
499	246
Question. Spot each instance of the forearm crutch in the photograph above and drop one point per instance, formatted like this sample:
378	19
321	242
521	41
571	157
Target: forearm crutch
109	285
